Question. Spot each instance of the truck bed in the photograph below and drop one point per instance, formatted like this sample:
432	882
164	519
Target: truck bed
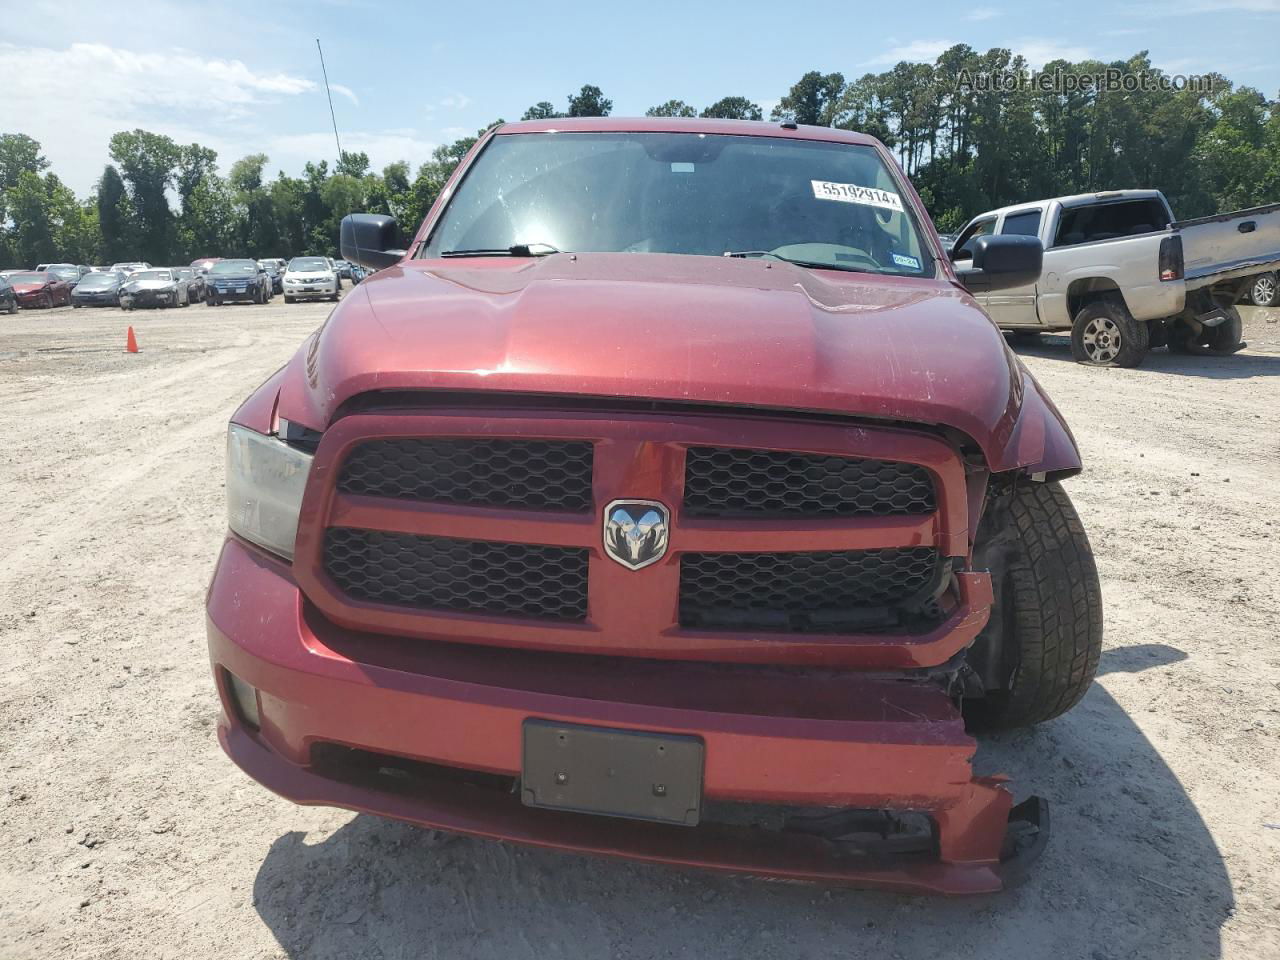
1229	245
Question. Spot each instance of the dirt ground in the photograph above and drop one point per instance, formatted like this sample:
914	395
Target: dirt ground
125	833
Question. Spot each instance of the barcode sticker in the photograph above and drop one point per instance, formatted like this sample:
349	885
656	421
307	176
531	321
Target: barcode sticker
852	193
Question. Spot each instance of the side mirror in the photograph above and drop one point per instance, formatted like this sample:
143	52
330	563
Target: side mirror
1001	262
370	239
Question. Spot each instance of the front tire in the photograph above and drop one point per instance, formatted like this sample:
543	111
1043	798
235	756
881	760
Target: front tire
1105	334
1048	607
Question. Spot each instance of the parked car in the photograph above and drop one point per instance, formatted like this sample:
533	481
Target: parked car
36	289
1263	292
948	240
130	266
8	299
242	280
68	272
157	287
194	281
98	290
344	268
333	265
522	540
310	278
275	273
1123	276
203	264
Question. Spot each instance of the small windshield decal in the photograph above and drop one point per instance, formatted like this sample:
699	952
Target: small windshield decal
902	260
852	193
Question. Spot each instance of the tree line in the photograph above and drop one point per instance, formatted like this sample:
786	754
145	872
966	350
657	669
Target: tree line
967	149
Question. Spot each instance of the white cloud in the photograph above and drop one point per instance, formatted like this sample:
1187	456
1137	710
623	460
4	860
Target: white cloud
982	13
917	51
1038	51
169	90
456	101
346	92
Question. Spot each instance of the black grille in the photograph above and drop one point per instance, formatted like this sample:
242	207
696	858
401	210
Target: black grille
724	483
440	573
538	474
837	591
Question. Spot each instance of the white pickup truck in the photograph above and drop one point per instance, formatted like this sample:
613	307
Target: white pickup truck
1123	276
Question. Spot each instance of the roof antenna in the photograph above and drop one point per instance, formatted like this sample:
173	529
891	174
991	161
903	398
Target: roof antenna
332	115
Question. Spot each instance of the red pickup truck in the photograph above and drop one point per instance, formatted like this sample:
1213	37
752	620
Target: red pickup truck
670	497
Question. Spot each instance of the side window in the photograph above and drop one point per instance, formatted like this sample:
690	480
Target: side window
1107	221
1023	224
963	250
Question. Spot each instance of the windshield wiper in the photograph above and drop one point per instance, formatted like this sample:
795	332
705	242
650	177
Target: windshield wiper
810	264
516	250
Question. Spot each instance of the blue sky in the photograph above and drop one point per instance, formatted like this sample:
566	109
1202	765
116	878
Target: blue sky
244	77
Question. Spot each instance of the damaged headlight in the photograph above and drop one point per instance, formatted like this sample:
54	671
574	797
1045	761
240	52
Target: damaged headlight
265	481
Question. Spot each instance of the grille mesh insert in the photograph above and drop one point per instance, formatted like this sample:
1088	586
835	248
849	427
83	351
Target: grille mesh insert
440	573
829	591
721	482
537	474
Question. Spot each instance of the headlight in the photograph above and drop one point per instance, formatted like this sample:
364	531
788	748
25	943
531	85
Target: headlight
265	480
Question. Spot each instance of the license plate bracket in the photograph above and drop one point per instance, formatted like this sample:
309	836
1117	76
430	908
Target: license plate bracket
610	772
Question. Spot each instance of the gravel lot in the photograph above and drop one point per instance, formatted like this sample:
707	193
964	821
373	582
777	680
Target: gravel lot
125	833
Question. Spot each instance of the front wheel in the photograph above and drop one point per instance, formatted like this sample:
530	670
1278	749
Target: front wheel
47	302
1105	334
1044	638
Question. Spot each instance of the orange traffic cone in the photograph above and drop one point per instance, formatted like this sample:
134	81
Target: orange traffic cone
131	344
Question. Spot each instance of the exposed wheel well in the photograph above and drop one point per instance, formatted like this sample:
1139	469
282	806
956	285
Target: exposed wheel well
1088	289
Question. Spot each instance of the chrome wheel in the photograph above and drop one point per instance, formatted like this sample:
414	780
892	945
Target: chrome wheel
1101	340
1263	292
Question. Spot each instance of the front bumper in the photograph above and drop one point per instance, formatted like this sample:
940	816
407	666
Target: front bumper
94	299
795	738
148	298
33	299
250	293
310	290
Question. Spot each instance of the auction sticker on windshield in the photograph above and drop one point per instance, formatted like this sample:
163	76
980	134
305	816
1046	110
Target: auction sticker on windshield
852	193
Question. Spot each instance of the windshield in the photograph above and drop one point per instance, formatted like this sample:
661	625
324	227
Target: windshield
234	267
308	265
98	280
65	272
28	277
153	275
822	204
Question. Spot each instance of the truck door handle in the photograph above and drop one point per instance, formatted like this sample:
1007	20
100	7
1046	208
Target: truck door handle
1247	227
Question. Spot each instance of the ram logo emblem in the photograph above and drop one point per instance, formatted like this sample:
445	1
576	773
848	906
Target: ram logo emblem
635	532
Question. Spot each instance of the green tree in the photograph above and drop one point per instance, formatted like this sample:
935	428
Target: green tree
148	163
734	108
812	100
115	217
542	110
589	102
672	108
352	164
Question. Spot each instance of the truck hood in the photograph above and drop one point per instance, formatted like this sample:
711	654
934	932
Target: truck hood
755	333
